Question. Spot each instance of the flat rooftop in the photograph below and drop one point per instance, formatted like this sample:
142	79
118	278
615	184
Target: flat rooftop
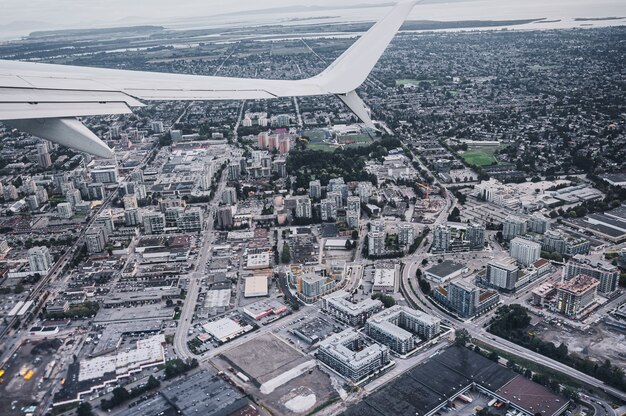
532	396
579	284
445	268
256	286
204	393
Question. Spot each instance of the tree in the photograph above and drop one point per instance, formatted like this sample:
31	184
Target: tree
19	288
388	301
84	409
425	286
455	215
355	235
285	256
461	337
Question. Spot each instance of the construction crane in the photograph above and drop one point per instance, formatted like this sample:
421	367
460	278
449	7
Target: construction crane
426	188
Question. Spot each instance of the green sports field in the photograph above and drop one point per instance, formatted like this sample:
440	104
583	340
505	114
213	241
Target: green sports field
480	156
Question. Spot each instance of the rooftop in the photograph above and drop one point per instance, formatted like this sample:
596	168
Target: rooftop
578	285
445	268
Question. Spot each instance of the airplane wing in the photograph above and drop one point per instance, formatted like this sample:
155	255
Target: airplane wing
45	99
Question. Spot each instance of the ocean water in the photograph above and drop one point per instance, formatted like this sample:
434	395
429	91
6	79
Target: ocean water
558	13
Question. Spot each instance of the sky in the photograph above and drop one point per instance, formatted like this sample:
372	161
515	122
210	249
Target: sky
20	17
77	11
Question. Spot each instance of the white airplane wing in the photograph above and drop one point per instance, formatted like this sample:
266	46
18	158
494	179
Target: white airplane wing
45	99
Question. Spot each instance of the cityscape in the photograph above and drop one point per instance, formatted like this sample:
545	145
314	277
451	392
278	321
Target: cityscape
466	255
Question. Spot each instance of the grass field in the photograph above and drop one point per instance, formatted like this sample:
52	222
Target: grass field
321	146
412	81
480	156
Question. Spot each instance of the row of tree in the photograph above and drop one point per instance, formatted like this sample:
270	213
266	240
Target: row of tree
511	322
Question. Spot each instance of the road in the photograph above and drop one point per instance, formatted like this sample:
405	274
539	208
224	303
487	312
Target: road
474	327
195	278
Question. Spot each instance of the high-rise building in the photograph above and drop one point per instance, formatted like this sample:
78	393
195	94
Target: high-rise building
441	238
377	226
334	183
114	132
33	203
42	195
538	224
263	140
315	190
64	210
96	239
284	143
96	190
153	222
172	214
39	259
475	234
502	274
229	197
364	190
354	203
190	221
43	155
606	274
512	227
132	217
328	209
303	208
29	186
376	243
465	299
140	191
157	127
335	196
406	234
105	220
224	218
10	192
234	171
575	295
353	219
279	166
73	197
104	174
525	251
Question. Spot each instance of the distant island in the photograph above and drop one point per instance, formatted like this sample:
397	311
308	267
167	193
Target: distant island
89	32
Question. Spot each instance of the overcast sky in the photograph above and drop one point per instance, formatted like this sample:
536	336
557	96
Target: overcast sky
76	11
19	17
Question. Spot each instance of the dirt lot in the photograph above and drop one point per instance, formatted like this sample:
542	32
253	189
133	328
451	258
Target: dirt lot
268	358
597	343
264	358
302	394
